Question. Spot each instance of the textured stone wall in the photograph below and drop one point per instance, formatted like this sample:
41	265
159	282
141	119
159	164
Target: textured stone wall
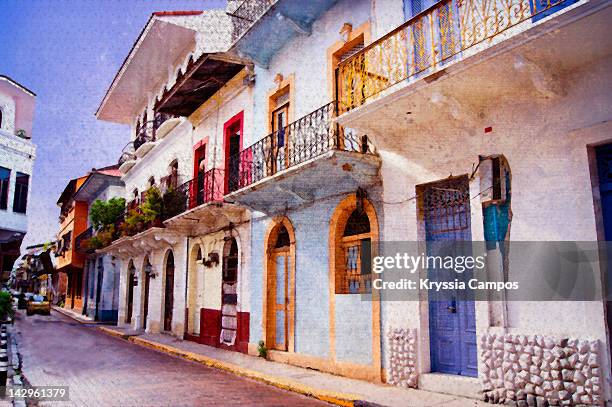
540	371
402	357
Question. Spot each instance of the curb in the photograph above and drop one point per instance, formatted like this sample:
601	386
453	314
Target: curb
113	332
339	399
72	316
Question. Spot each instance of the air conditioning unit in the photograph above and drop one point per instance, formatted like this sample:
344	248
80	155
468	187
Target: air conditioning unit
494	174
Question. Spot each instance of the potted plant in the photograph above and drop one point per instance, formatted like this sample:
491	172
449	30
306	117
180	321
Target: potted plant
151	208
6	307
174	203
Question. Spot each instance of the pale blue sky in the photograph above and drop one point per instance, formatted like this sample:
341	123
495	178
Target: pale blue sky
67	52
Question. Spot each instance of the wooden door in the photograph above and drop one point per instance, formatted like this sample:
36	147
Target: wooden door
604	170
452	319
145	311
280	139
200	170
279	299
130	296
233	159
169	293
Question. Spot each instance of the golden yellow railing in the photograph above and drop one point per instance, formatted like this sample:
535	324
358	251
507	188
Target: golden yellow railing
431	38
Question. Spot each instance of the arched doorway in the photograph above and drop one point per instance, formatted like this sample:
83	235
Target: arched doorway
229	293
280	285
130	294
195	286
169	291
147	269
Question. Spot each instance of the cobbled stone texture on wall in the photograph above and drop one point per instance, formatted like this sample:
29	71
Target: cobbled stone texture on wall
539	371
402	358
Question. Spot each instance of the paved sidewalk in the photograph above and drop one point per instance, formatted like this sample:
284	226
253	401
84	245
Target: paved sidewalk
334	389
75	315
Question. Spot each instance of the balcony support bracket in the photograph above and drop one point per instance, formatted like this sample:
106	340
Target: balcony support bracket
297	26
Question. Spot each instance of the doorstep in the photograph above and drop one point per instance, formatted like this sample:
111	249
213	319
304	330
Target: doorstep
337	390
451	384
76	316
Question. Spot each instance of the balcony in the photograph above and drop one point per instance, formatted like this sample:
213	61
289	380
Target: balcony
310	159
197	205
472	50
81	242
262	27
147	137
127	159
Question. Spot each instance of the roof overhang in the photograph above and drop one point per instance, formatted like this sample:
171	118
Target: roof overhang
158	48
67	192
202	79
93	186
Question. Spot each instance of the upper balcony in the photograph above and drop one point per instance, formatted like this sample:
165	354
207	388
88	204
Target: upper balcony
470	51
147	137
198	205
177	63
262	27
309	159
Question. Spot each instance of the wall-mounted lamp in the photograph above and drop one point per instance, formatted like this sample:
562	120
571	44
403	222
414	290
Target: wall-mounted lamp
212	260
345	31
148	269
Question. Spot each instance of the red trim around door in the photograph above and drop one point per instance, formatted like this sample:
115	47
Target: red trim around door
227	126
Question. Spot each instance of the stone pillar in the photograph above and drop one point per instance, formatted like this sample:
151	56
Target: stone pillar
122	264
178	312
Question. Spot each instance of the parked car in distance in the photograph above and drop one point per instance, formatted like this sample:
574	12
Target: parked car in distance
38	304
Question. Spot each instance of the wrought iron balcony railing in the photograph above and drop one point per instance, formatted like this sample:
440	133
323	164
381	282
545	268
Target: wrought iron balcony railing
247	14
207	187
146	132
169	182
429	39
83	237
298	142
127	153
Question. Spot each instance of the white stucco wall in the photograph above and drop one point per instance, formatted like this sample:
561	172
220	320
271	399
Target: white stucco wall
17	155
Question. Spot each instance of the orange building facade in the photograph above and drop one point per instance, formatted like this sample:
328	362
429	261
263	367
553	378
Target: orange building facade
70	262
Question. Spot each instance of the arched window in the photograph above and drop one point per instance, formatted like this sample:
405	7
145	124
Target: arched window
282	238
354	228
0	118
151	182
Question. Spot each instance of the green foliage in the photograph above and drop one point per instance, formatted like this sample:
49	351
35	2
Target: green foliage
105	213
6	305
262	350
133	223
103	238
151	208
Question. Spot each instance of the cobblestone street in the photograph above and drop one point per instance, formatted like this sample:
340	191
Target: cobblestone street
101	370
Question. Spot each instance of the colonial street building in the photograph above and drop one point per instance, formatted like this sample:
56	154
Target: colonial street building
68	279
17	154
276	145
492	120
101	272
183	269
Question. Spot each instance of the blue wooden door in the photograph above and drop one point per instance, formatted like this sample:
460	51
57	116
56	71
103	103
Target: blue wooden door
452	321
604	172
